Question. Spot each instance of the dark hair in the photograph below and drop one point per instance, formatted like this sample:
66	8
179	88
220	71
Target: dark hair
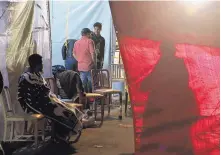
85	31
97	24
34	60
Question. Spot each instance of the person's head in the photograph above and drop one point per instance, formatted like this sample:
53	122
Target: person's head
97	28
35	63
86	32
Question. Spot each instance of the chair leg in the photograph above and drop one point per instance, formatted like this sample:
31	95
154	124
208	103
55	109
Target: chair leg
102	110
12	130
126	102
53	134
109	102
1	148
26	127
36	133
95	110
5	130
43	130
121	105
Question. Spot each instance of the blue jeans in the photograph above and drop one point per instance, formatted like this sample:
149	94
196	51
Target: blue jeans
71	64
86	80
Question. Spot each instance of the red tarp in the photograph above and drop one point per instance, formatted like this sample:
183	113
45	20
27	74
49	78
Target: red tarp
203	65
140	57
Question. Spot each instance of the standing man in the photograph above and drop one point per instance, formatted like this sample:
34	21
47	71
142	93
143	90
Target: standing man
99	42
85	55
70	61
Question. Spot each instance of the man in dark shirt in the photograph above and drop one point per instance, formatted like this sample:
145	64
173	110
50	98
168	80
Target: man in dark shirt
70	60
99	42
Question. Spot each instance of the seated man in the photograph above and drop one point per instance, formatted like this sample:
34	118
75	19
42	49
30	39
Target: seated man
34	96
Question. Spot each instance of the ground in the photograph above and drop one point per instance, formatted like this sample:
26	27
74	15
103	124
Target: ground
113	138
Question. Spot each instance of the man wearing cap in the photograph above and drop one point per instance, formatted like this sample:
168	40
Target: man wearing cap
84	52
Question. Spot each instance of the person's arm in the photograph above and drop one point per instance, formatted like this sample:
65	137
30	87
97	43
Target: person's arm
102	49
92	50
74	50
63	51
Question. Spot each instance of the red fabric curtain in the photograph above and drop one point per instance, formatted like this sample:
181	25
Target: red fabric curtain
203	65
139	58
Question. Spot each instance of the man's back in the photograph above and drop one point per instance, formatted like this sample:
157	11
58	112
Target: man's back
83	50
67	48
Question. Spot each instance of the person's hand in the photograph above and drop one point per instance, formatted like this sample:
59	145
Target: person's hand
95	65
82	94
52	95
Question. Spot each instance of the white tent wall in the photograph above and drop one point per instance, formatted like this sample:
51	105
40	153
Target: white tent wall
24	29
69	17
3	39
41	34
3	46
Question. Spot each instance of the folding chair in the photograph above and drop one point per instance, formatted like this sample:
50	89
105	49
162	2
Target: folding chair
101	85
10	118
118	75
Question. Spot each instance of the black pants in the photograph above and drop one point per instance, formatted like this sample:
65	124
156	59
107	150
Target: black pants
99	65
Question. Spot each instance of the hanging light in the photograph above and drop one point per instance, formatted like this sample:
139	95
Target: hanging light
192	6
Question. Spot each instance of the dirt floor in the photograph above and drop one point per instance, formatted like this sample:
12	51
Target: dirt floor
113	138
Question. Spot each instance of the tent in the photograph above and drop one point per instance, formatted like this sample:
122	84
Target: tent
170	52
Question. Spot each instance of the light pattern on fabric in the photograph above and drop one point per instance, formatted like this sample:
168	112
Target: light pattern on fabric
139	57
203	65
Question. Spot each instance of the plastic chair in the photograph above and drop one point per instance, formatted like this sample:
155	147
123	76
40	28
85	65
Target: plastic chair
10	118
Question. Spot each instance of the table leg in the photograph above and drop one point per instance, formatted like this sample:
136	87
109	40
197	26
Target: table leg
95	110
121	105
102	110
126	102
36	133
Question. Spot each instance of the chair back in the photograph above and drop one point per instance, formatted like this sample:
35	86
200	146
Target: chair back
5	101
100	79
117	72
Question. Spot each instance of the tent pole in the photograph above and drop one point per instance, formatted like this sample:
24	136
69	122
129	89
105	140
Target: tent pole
50	40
